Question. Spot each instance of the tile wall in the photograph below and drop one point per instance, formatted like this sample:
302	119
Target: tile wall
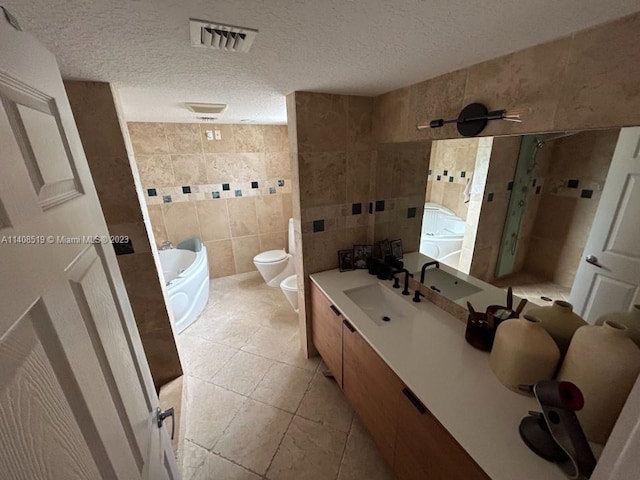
109	161
234	192
451	167
333	155
586	80
574	172
399	191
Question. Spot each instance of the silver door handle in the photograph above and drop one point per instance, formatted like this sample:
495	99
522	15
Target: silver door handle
593	260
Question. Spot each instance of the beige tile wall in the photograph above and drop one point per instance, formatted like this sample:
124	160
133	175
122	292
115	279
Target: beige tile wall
453	157
586	80
332	156
110	166
562	222
400	178
234	228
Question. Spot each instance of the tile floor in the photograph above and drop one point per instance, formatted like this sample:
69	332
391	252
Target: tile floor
256	408
533	287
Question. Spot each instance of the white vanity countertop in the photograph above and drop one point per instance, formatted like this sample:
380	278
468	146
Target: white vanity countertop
452	379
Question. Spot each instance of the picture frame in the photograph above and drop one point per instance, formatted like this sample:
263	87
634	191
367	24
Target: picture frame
361	253
385	248
345	260
396	248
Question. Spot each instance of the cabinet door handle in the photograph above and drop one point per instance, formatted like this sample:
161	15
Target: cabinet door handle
335	311
349	326
414	400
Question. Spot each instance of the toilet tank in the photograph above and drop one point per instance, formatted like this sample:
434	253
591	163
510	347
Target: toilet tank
292	238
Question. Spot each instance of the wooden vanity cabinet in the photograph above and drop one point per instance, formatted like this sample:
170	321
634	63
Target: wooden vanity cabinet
326	331
372	389
425	450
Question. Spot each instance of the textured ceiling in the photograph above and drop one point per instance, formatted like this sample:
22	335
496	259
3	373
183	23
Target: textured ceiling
363	47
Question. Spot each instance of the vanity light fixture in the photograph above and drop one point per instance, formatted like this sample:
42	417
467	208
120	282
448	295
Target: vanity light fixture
474	118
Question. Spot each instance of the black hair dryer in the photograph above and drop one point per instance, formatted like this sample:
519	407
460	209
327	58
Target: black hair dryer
555	433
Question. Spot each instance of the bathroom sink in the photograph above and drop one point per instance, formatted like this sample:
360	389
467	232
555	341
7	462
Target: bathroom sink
381	305
448	285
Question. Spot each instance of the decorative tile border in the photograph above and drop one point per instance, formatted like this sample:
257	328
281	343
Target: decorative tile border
190	193
359	214
449	176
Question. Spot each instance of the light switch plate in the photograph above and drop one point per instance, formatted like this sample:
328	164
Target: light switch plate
209	134
218	135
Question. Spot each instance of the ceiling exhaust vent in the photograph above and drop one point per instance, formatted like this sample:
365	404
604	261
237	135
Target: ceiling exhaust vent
215	108
221	37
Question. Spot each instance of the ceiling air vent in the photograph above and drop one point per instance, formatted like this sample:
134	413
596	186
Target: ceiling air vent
215	108
221	37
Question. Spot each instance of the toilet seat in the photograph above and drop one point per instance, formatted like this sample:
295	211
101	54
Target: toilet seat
290	283
270	256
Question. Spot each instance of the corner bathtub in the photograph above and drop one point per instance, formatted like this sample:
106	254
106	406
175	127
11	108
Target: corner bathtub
186	273
442	234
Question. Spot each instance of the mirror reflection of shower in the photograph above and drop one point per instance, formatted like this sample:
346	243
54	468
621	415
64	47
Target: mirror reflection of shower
523	181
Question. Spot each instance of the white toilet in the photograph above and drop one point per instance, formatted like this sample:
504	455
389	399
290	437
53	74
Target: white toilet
289	287
276	265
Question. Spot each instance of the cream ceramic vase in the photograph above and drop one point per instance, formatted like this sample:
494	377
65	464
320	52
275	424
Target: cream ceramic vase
604	363
523	353
631	320
559	321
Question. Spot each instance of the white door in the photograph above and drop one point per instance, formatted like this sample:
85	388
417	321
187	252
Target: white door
76	396
608	278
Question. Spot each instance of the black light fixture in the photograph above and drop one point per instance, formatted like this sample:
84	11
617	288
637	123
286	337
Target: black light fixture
473	119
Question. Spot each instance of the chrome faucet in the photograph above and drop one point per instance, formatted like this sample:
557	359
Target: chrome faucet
166	245
424	269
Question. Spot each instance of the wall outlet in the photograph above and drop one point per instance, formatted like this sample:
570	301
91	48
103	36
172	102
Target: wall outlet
209	134
218	135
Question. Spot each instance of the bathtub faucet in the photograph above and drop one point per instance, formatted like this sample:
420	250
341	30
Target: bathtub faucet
167	245
424	269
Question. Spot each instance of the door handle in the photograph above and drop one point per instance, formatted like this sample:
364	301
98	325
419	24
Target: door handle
593	260
414	400
162	415
335	311
349	326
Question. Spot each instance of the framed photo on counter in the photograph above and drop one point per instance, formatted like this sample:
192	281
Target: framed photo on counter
345	260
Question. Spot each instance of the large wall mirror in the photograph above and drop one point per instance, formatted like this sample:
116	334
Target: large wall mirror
520	211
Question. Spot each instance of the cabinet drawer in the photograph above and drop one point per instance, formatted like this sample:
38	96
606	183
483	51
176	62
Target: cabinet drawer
373	390
326	331
426	450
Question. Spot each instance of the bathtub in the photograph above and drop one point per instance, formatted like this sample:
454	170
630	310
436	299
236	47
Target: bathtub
186	273
442	234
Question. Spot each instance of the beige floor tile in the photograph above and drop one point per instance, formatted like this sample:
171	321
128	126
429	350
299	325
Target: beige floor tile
361	457
280	345
224	327
309	451
283	386
199	464
242	372
254	435
325	403
210	410
202	358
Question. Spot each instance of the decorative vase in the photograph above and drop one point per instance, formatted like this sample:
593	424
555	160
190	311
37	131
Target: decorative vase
559	321
604	363
523	353
631	320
